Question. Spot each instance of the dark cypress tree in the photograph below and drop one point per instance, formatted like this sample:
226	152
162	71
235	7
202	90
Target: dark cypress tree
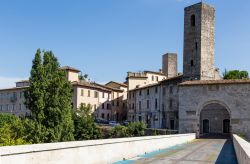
49	99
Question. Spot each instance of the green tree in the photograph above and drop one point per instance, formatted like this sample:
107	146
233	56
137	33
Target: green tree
11	130
235	74
85	127
83	77
49	99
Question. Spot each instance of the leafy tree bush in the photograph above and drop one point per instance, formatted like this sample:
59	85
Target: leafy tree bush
85	127
11	130
119	132
235	74
136	128
49	99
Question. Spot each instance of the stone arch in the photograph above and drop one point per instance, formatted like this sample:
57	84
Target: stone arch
216	112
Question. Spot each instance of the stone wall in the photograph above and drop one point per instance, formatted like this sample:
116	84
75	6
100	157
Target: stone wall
89	152
234	97
242	150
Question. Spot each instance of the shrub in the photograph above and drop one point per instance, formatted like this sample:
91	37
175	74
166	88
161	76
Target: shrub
119	132
136	128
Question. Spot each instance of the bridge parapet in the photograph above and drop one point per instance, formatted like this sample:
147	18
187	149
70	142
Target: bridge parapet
92	151
242	149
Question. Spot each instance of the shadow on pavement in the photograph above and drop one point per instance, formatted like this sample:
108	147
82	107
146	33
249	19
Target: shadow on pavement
227	154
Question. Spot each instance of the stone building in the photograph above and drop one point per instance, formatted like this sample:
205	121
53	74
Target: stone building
198	100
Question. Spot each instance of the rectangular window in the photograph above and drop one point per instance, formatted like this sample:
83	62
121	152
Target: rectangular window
103	115
157	78
102	105
133	94
171	89
133	106
88	93
139	105
170	103
103	95
156	89
153	78
163	91
117	94
96	94
156	104
117	103
148	104
147	91
95	106
82	91
140	92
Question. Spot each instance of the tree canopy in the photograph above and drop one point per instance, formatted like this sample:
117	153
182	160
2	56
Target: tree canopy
235	74
49	99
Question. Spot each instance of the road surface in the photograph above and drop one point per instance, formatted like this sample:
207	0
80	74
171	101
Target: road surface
199	151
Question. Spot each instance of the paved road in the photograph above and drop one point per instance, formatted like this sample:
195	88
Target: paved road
200	151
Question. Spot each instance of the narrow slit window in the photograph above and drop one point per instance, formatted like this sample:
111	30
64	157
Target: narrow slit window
193	20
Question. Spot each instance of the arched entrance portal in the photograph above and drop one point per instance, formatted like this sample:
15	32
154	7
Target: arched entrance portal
214	119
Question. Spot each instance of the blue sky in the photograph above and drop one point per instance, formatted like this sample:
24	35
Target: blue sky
107	38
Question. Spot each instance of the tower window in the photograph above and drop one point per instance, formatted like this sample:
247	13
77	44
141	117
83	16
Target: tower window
192	63
193	20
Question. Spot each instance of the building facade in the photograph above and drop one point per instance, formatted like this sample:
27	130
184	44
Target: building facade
106	101
198	100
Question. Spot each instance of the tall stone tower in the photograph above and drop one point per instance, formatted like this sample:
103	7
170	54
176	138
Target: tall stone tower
199	38
169	64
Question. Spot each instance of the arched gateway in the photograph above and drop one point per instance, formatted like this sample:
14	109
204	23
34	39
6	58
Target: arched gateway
214	119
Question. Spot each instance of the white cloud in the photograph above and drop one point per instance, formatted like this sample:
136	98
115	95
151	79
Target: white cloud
7	82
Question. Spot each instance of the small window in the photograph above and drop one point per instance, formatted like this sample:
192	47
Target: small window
140	92
170	103
102	94
102	115
102	105
157	78
163	91
82	92
156	89
147	91
156	104
96	94
192	63
171	89
88	93
196	46
148	104
193	20
117	103
139	105
153	78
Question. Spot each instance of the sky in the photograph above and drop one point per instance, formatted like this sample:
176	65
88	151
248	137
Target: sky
108	38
